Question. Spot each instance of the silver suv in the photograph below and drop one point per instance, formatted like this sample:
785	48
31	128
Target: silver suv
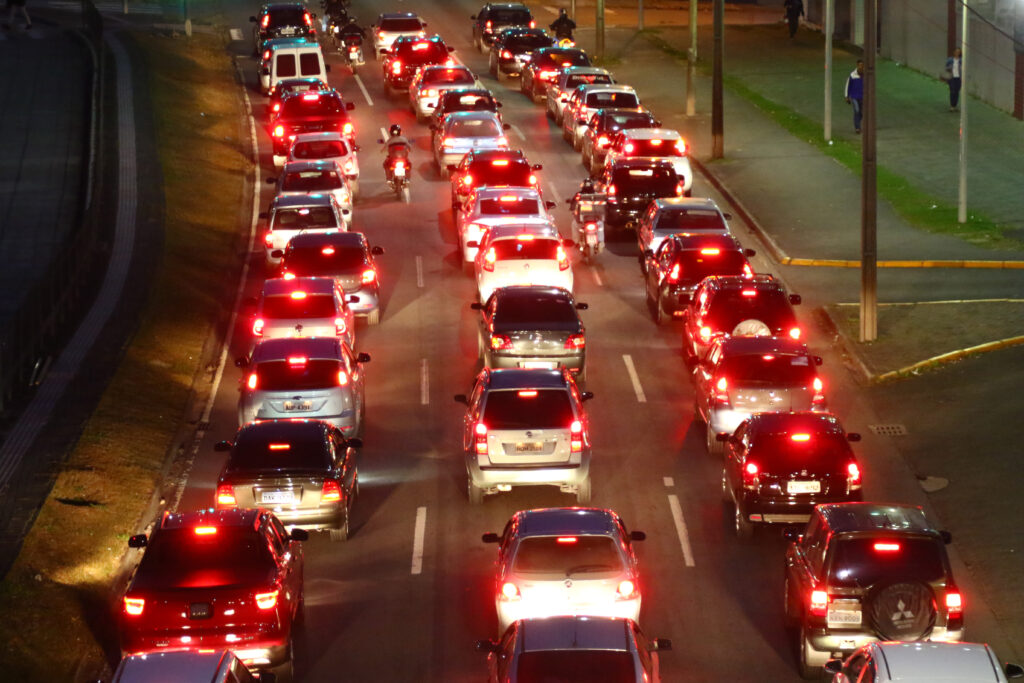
526	428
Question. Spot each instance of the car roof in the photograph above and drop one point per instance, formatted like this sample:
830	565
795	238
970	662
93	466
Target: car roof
875	517
685	203
335	238
310	165
804	420
301	200
575	633
690	241
574	520
932	662
179	665
277	286
240	517
740	346
651	133
316	348
282	429
538	227
532	292
526	378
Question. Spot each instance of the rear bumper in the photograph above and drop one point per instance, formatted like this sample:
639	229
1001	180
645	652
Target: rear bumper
826	642
510	66
512	610
574	362
781	510
313	519
489	477
346	421
257	650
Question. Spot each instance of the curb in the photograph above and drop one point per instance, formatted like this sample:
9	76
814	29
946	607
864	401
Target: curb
950	357
849	350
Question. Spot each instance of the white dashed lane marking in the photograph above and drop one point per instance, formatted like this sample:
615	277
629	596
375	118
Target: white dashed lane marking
417	541
634	378
684	535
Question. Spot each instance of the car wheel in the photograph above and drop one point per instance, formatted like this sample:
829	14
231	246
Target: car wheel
474	493
341	533
808	670
659	310
551	114
744	528
373	318
726	493
565	134
583	492
714	445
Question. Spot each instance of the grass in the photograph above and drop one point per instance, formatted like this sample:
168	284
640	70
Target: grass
56	599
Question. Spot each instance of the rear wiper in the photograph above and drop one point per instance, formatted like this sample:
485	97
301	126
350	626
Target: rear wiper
587	568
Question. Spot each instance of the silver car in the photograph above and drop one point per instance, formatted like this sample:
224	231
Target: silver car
292	215
306	377
670	216
303	307
586	100
526	428
465	131
487	207
566	81
432	81
323	176
331	146
390	26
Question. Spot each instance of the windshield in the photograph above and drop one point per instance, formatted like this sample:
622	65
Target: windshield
302	218
302	450
586	79
289	87
526	43
287	16
528	409
730	307
448	76
529	312
857	562
509	17
525	250
474	128
310	306
630	120
820	452
293	375
650	182
181	558
599	100
326	260
319	149
654	148
400	24
567	555
467	102
694	266
509	205
311	181
500	172
311	105
556	57
671	221
575	666
769	369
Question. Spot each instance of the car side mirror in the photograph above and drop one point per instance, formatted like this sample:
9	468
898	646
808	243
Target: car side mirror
327	67
276	253
352	299
727	215
498	105
1014	671
241	362
473	17
377	251
792	534
431	105
299	535
490	537
795	299
137	541
582	306
357	148
853	437
947	537
662	644
637	536
538	167
476	306
264	215
473	244
506	126
451	48
265	70
354	442
818	360
587	395
568	200
363	357
550	205
657	123
270	181
486	646
833	667
749	253
222	446
462	398
253	19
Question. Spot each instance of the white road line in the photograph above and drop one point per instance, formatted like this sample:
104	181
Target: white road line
669	482
684	536
236	34
417	541
634	378
424	382
517	131
554	190
419	272
362	87
597	278
383	133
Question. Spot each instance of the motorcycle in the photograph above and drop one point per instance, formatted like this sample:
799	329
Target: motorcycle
588	209
354	51
565	42
397	176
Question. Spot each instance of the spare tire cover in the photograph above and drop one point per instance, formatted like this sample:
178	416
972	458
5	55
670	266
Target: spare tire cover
902	611
751	328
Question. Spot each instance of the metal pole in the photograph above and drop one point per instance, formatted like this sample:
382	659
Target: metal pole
599	26
188	19
869	188
691	63
639	15
961	211
717	125
572	9
829	30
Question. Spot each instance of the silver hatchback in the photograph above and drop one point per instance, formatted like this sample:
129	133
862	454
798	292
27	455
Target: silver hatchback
321	176
303	307
465	131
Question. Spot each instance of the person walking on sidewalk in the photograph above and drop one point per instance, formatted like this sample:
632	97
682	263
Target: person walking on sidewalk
855	93
12	5
794	10
952	77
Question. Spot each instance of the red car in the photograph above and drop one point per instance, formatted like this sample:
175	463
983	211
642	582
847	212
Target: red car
213	580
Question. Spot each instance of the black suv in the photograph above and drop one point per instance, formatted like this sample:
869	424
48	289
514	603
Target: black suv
632	184
408	55
863	572
496	16
544	66
462	99
513	47
494	168
310	112
778	466
603	124
282	20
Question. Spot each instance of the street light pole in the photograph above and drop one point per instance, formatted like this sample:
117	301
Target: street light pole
961	211
639	15
691	63
717	123
869	187
599	26
829	30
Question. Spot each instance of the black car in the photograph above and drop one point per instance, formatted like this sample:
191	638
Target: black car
494	17
778	466
513	48
532	326
462	99
498	167
408	55
681	262
603	124
632	184
544	65
868	571
310	112
282	20
290	86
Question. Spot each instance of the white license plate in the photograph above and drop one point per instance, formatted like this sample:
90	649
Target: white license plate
803	487
399	171
287	31
536	364
529	447
278	497
592	240
298	405
844	617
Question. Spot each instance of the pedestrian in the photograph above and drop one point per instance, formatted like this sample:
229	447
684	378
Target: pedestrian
855	93
794	10
12	5
954	66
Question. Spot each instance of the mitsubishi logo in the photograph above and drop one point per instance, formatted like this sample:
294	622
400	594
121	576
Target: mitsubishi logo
902	612
568	583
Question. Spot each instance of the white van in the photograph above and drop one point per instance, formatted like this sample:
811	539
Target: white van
304	60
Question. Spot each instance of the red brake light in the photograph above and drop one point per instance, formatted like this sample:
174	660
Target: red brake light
749	292
339	326
590	227
530	393
253	380
576	436
800	437
447	142
266	54
509	591
566	540
369	275
257	327
532	179
655	143
680	189
533	24
954	603
626	589
342	378
480	429
499	162
311	97
327	251
501	342
225	494
134	606
818	603
853	474
818	385
710	251
887	547
795	333
308	19
297	360
298	294
722	384
399	165
467	179
563	258
673	275
266	600
612	189
488	24
279	131
576	427
602	141
265	23
628	148
205	530
331	492
489	259
396	67
747	270
576	341
481	438
750	476
277	106
268	239
505	54
348	129
751	468
280	446
681	147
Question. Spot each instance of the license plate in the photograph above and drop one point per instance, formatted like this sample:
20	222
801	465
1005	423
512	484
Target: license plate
288	31
298	405
844	617
399	171
529	447
536	364
592	240
803	487
200	610
277	497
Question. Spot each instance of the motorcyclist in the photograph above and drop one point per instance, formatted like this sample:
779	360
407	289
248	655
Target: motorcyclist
563	26
397	147
351	32
335	12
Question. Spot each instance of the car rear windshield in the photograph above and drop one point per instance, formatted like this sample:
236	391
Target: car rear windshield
551	58
537	311
819	452
468	102
181	558
509	17
567	555
528	409
475	128
307	105
597	100
576	666
304	450
652	182
694	266
730	308
769	369
525	250
586	79
287	88
400	24
500	172
422	52
311	181
309	63
509	205
297	374
526	43
304	218
629	120
287	16
863	562
319	149
671	221
653	148
311	306
448	76
325	260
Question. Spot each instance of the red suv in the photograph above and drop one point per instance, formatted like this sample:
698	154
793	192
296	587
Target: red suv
213	580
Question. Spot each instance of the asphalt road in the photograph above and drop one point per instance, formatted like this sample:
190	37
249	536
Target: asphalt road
369	616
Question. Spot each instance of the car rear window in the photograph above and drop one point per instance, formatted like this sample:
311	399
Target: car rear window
448	76
297	374
300	451
586	79
575	666
309	63
729	308
509	17
509	205
310	306
556	57
308	105
863	562
671	221
651	182
287	16
526	43
323	260
468	102
285	65
695	266
400	24
819	451
567	555
538	311
181	558
653	148
422	52
528	409
769	369
597	100
524	250
629	120
319	149
311	181
500	172
300	86
474	128
304	218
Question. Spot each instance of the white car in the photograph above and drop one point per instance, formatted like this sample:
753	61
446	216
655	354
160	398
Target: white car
922	662
315	177
520	254
587	99
328	147
431	81
663	143
490	206
391	25
465	131
566	81
293	214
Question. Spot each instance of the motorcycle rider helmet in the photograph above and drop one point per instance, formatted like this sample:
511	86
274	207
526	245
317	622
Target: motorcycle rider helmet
395	130
562	13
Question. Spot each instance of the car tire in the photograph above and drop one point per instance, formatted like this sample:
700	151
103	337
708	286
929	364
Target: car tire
373	317
659	310
565	134
576	143
714	445
808	671
583	492
744	528
341	533
474	493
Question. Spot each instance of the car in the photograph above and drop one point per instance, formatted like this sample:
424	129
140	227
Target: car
430	81
408	55
303	307
290	215
681	262
328	147
778	466
545	65
670	216
309	377
302	469
466	131
921	663
310	112
292	58
567	80
299	178
740	376
532	327
187	665
653	142
462	99
216	579
488	206
601	128
574	649
290	86
345	256
392	25
521	254
266	51
868	572
281	20
632	184
491	168
495	16
513	47
739	306
566	561
585	100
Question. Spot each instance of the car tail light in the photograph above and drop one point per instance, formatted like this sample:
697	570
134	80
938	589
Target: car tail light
612	189
396	67
626	589
818	603
489	259
747	270
722	391
602	141
819	396
268	239
751	476
533	24
331	492
509	591
488	24
532	179
308	19
267	600
253	380
339	326
257	327
430	92
342	378
563	258
134	606
226	494
628	148
505	54
350	166
954	603
794	332
266	55
480	432
680	189
673	275
500	342
681	147
886	547
705	334
447	142
576	436
547	75
369	276
278	131
348	129
590	227
277	106
853	475
576	341
266	21
467	179
399	165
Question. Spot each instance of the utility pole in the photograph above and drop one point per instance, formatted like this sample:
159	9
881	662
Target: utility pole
717	125
961	210
639	15
599	26
572	9
829	30
691	63
869	187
